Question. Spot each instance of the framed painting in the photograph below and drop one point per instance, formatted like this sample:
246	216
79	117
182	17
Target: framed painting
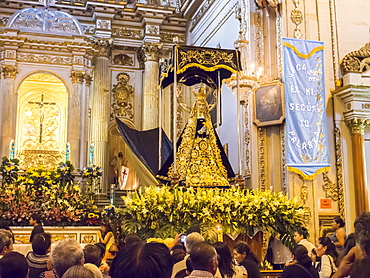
268	104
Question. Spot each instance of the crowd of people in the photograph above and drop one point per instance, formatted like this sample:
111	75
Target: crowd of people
337	256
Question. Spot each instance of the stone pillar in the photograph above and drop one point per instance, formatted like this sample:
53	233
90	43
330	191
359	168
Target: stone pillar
74	117
100	111
150	96
357	127
9	108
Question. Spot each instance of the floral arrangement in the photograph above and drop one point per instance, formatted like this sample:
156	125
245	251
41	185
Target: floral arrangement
162	212
50	193
92	171
9	169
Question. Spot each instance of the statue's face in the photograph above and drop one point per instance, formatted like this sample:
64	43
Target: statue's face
201	105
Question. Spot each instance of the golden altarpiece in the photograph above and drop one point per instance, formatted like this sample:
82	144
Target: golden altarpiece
68	68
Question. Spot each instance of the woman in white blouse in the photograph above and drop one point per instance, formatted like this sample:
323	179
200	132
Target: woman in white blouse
325	249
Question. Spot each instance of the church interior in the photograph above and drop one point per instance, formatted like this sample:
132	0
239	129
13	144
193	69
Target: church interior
76	75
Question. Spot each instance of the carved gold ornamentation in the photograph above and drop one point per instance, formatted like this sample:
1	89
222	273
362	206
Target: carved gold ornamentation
103	46
283	159
357	126
297	17
103	24
304	190
247	140
128	33
262	148
122	97
45	59
34	158
201	11
88	238
10	71
88	79
331	190
77	76
357	61
168	37
259	37
206	57
152	30
339	169
123	59
279	47
151	51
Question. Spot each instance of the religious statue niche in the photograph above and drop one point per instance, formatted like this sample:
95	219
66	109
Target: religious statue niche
40	127
123	93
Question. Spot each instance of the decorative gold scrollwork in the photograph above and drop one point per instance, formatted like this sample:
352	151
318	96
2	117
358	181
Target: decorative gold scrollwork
123	97
331	190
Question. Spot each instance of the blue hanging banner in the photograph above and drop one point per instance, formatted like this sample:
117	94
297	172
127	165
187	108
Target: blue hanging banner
307	141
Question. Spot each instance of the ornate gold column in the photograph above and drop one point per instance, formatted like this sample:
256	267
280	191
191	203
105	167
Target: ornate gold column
357	127
74	117
100	109
150	101
9	108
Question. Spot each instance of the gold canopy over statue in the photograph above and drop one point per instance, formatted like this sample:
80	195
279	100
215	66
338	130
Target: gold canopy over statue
200	158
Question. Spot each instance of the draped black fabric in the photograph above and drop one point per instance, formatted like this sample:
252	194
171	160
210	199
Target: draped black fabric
144	144
200	65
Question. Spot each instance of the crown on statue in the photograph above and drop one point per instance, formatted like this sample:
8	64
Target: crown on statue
201	94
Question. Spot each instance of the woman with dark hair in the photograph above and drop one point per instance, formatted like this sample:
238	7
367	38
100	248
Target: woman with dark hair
246	258
143	260
325	249
226	266
38	257
302	267
339	236
106	236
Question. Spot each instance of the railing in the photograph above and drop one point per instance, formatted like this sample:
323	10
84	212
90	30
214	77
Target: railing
271	273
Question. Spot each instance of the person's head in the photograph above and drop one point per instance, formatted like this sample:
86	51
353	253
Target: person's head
94	269
300	254
349	243
204	257
65	254
191	240
35	219
178	255
300	234
106	227
225	263
132	239
13	265
6	242
362	232
41	243
326	247
143	260
241	251
78	271
4	225
337	223
92	254
102	248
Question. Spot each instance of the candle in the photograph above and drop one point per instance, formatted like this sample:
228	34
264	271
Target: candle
91	154
67	152
219	233
12	149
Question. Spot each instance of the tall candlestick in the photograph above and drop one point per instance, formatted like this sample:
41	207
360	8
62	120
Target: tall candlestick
91	154
12	149
68	152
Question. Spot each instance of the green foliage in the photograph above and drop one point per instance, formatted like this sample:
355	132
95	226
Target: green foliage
164	212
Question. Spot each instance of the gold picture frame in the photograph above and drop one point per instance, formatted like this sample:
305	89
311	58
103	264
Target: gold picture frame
269	104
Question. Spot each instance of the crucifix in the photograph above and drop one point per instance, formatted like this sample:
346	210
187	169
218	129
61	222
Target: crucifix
41	106
47	3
